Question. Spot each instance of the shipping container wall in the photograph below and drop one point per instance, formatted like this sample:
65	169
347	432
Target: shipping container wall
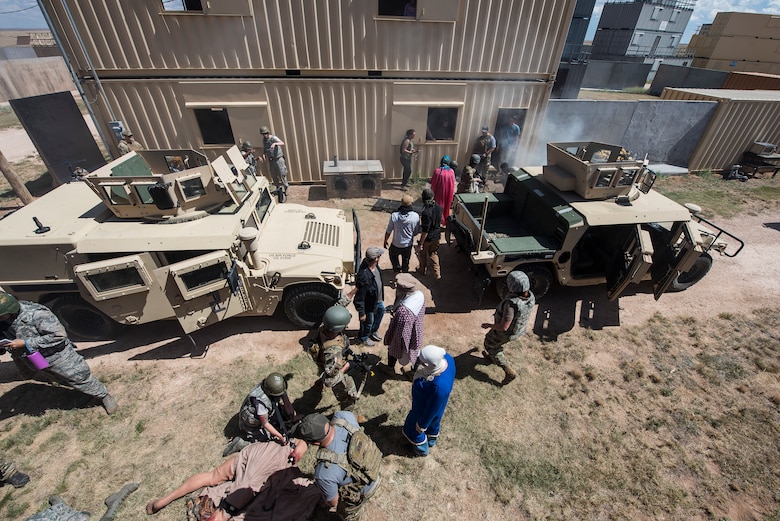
274	37
351	119
752	81
736	124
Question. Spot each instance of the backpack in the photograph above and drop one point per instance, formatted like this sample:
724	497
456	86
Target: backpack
363	459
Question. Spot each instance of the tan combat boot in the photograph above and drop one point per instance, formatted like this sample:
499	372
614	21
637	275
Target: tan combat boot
509	375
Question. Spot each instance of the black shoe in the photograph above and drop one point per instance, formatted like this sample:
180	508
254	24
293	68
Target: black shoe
18	479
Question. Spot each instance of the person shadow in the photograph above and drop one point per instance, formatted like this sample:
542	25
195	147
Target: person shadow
471	364
36	398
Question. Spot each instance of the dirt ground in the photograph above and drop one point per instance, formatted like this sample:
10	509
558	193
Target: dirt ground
741	284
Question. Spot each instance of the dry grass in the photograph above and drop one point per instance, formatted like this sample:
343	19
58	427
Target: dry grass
677	420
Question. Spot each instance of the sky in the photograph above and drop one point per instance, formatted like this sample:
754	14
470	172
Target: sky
25	14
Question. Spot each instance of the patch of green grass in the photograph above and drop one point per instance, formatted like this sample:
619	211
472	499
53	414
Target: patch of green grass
8	118
636	90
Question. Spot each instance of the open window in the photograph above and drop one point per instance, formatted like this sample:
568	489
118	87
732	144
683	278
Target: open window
214	124
222	7
441	123
114	278
631	263
424	10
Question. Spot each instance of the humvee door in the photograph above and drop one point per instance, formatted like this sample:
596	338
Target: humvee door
124	288
679	255
206	289
632	264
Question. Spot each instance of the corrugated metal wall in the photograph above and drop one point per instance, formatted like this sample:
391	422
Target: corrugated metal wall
752	81
742	117
487	36
316	119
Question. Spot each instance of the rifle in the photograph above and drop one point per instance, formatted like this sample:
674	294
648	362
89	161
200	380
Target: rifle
359	360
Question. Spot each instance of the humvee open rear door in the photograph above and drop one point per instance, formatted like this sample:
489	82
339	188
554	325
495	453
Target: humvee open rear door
680	254
632	264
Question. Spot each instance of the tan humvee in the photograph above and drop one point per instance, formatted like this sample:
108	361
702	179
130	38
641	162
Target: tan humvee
588	217
140	240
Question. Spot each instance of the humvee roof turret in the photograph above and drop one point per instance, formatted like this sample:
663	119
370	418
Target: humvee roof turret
588	217
166	234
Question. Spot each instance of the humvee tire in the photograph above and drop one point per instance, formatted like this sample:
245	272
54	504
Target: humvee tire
305	304
697	272
82	321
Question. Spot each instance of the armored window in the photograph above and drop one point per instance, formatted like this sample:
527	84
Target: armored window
191	187
263	204
627	176
214	125
605	177
201	275
113	278
142	192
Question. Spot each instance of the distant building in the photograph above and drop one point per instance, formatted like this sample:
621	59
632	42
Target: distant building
744	42
642	30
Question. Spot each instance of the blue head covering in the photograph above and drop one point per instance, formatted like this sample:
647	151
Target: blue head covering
445	161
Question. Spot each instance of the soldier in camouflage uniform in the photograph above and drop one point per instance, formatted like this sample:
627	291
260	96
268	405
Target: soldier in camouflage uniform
9	475
248	152
327	348
510	321
272	152
265	415
33	327
128	143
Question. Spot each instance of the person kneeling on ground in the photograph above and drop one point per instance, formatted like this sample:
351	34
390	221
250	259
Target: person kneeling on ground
264	414
260	483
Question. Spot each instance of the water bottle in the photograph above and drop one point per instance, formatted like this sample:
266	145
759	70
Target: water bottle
37	359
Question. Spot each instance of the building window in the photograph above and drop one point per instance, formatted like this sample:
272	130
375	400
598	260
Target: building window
656	13
182	5
398	8
441	124
675	14
637	38
215	126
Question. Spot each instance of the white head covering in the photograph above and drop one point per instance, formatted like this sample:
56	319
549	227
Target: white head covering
432	362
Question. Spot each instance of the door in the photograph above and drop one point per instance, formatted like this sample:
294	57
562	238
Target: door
631	264
679	255
124	288
207	289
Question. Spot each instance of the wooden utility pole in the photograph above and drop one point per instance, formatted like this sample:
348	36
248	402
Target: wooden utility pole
17	185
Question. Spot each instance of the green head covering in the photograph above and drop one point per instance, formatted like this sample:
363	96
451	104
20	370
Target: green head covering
8	304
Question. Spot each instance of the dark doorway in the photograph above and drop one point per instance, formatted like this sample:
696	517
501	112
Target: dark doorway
507	137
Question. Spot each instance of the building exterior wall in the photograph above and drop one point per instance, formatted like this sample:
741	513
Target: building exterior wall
679	76
739	42
329	78
742	117
641	29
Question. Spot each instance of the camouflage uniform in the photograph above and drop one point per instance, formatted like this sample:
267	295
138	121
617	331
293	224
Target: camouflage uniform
125	147
327	353
248	421
42	331
276	163
495	340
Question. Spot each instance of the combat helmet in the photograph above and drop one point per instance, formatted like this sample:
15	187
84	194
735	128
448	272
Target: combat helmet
246	146
336	318
518	282
265	130
275	385
8	304
475	159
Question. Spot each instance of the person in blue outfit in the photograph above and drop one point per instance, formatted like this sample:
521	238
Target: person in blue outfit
431	390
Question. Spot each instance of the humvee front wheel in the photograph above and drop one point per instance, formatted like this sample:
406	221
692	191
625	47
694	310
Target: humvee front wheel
83	321
697	272
305	304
